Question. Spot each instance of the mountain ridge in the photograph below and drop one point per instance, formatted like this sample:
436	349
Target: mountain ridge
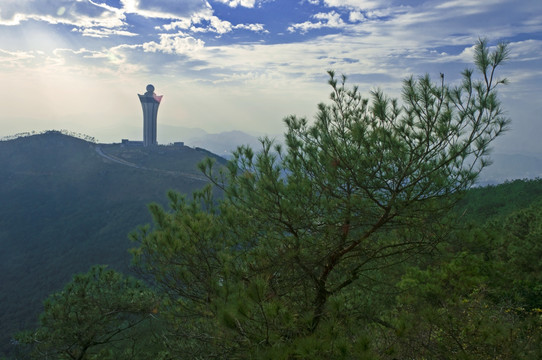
506	166
66	207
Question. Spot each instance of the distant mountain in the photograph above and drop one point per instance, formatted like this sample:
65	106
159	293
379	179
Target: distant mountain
225	143
67	204
507	167
171	133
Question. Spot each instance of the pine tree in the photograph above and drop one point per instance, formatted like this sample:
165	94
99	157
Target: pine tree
284	264
98	315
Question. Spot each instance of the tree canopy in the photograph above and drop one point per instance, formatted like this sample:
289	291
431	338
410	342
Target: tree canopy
95	314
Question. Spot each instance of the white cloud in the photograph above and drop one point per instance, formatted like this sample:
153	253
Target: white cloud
356	16
535	21
333	19
85	53
219	26
527	50
109	62
207	22
357	4
14	57
102	32
329	20
79	13
466	4
235	3
251	27
180	24
165	9
174	44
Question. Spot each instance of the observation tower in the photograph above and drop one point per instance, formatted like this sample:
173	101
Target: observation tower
149	102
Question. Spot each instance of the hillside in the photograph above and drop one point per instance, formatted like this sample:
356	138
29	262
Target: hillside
496	201
66	206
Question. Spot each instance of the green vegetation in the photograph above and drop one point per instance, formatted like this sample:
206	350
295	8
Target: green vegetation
482	298
350	243
66	208
99	315
480	204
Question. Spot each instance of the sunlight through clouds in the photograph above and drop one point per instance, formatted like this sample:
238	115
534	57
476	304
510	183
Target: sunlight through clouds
13	58
80	13
165	9
273	54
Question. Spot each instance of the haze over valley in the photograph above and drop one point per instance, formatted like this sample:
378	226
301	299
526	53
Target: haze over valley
271	179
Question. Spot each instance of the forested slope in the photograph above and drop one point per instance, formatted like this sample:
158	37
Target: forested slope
65	208
483	203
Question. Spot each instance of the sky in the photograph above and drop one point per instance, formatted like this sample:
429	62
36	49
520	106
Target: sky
225	65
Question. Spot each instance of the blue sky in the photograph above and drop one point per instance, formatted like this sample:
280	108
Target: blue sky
246	64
